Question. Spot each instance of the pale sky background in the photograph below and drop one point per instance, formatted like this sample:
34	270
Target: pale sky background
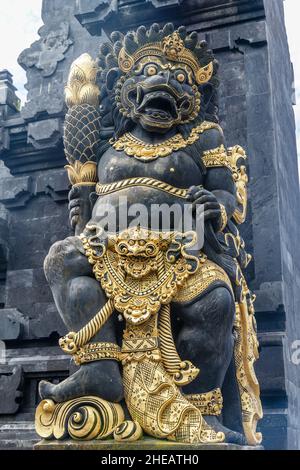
21	19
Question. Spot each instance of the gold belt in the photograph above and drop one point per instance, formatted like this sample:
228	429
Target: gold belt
108	188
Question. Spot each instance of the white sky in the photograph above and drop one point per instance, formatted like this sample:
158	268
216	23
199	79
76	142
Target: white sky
21	19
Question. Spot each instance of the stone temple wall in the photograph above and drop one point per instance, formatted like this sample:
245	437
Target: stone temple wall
249	40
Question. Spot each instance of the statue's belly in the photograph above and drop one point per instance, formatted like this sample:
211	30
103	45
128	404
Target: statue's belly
179	169
149	207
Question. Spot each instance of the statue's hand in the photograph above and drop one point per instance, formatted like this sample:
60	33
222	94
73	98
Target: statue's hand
80	207
197	195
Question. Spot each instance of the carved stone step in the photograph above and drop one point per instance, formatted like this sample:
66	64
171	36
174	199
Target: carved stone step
18	435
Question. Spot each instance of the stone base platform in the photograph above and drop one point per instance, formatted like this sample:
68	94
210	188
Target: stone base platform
143	444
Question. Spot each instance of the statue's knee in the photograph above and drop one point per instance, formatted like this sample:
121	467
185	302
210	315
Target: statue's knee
210	310
217	303
207	326
223	301
85	291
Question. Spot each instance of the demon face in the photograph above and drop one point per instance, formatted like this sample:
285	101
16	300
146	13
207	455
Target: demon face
159	94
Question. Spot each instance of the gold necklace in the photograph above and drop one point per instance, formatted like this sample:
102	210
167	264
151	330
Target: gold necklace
134	147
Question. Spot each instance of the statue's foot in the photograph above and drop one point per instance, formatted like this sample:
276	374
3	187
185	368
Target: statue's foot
231	437
99	378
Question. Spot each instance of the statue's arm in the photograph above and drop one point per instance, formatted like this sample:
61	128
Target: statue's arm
226	177
81	203
219	181
219	191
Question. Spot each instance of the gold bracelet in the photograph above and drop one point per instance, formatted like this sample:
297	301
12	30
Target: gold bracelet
210	403
223	217
96	352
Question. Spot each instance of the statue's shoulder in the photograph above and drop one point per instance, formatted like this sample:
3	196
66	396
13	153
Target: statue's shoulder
212	137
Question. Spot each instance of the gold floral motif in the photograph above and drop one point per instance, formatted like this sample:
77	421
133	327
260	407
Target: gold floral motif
171	47
144	151
82	174
210	403
84	418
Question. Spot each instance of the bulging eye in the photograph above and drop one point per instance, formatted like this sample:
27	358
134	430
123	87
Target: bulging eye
151	70
180	77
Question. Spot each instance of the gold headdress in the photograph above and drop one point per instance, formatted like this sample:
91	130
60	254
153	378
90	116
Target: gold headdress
172	47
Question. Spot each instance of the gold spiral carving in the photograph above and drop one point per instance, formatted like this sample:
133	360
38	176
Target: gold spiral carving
84	418
128	431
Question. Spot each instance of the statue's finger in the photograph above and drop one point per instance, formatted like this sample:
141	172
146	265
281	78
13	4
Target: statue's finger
75	211
74	193
74	203
74	221
211	214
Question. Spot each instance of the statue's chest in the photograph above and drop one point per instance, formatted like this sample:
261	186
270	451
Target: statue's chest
178	169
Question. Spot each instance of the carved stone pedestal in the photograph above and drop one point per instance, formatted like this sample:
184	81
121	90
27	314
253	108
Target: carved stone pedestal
143	444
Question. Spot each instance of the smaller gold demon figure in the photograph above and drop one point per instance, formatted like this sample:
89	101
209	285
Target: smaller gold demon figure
162	327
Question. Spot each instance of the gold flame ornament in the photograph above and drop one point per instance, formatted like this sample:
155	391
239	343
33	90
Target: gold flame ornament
81	87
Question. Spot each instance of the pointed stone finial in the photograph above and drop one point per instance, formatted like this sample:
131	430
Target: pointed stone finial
9	102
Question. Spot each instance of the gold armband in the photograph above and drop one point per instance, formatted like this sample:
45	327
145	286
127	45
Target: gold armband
210	403
220	157
96	352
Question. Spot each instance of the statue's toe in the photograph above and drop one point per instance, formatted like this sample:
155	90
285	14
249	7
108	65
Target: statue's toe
233	437
46	389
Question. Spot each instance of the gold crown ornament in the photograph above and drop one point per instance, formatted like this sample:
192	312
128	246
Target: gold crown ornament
171	47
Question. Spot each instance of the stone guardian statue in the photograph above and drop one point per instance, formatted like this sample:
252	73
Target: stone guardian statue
161	327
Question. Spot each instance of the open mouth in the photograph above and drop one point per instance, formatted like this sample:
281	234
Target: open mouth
157	105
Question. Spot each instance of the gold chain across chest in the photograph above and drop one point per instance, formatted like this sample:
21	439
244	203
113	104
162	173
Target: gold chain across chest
134	147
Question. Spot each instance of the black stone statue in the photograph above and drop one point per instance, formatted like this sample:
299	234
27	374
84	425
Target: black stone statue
161	327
